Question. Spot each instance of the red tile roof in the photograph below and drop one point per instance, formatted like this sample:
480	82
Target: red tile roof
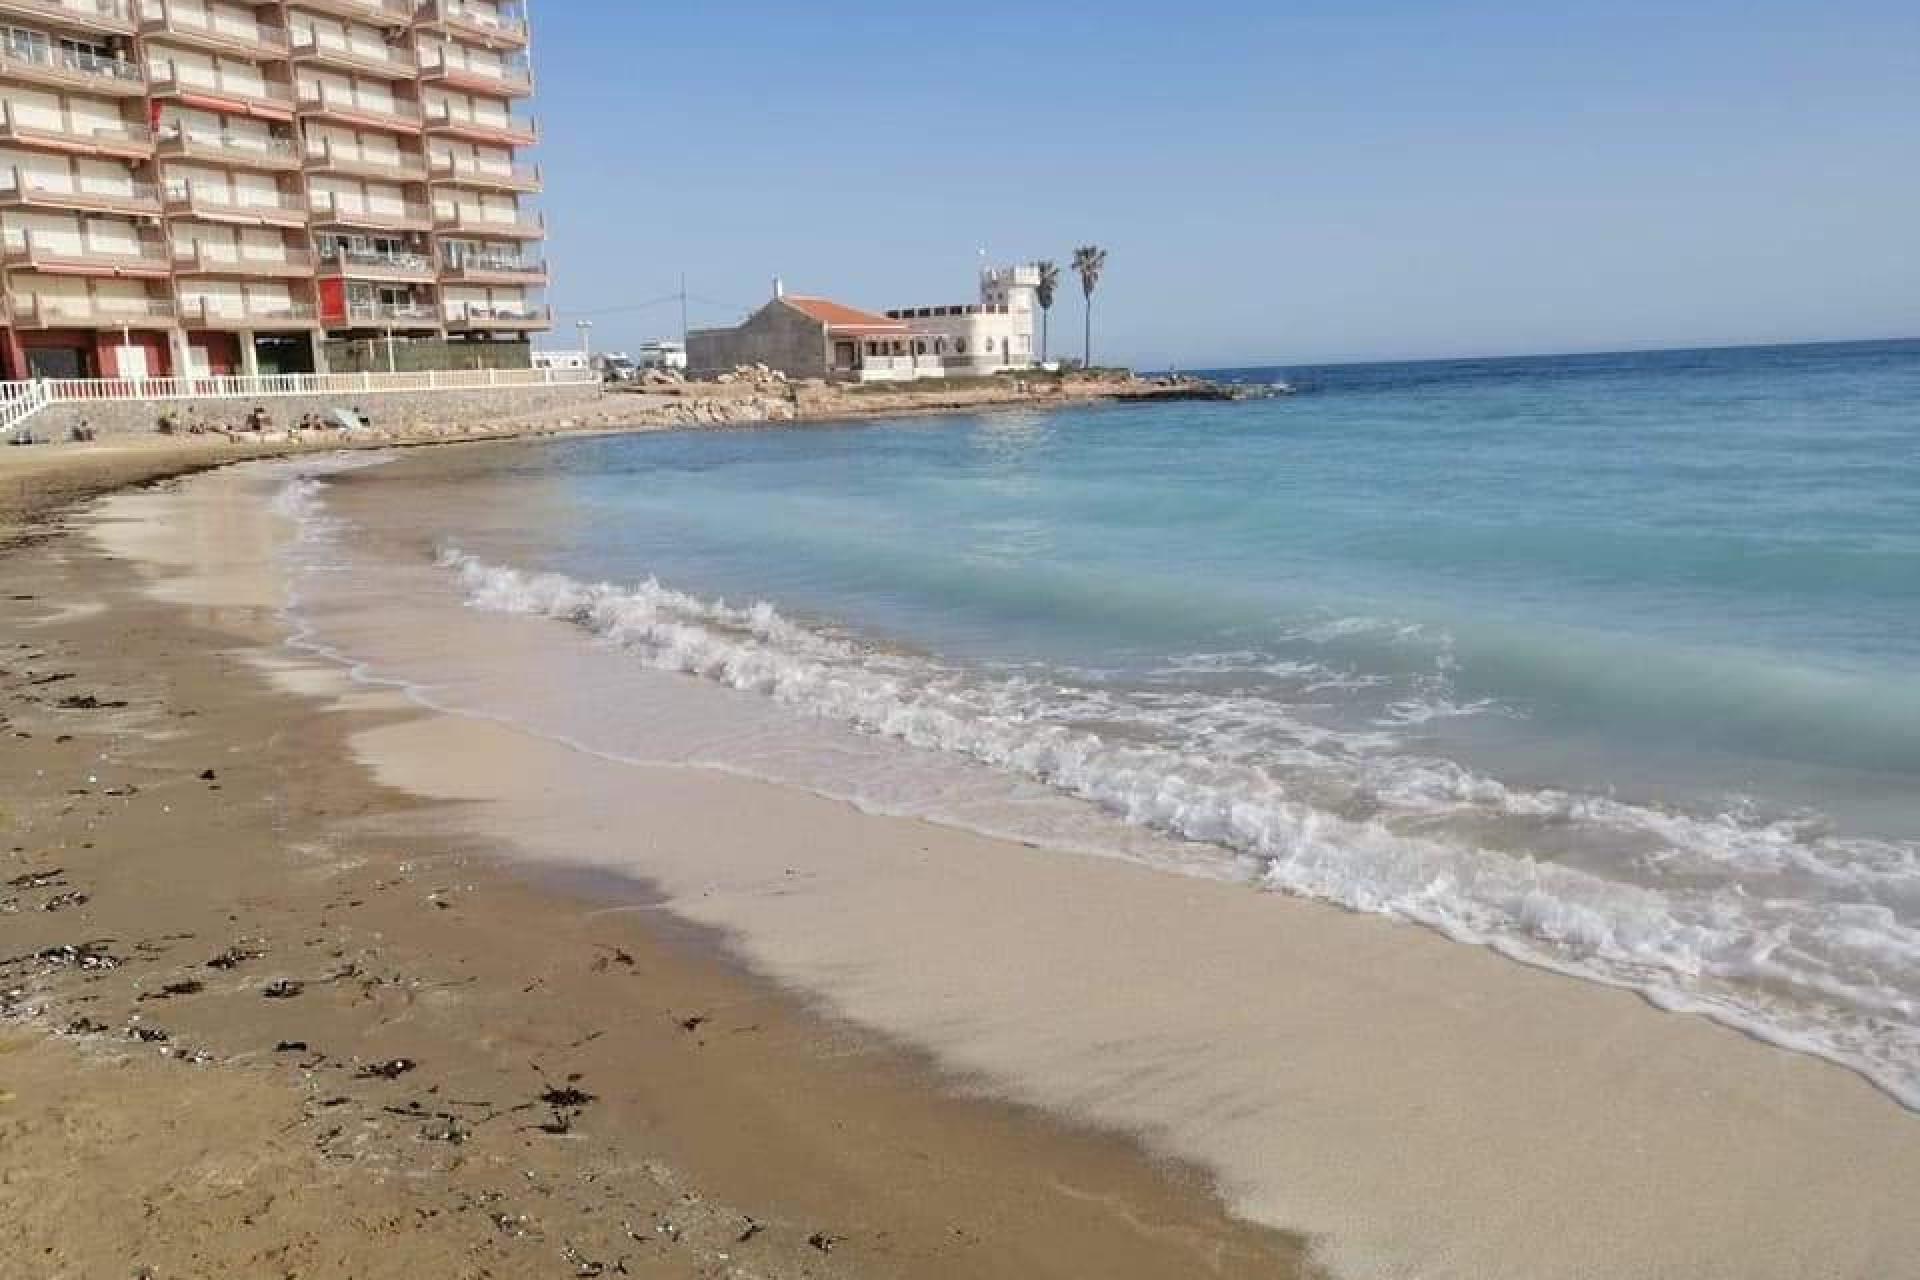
843	319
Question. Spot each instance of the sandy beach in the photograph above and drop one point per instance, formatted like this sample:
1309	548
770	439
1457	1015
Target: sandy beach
304	975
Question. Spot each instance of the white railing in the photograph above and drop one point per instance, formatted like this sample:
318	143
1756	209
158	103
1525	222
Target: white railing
99	65
239	387
20	401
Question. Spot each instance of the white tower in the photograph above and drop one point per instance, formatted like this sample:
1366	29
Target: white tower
1015	288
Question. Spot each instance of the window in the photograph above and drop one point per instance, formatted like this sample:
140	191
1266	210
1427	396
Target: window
32	46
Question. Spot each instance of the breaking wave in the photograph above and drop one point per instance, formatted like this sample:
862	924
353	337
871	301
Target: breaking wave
1771	925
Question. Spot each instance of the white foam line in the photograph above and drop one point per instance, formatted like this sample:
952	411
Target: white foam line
1710	962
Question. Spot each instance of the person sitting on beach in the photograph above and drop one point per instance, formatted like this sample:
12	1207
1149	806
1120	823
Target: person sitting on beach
259	420
82	432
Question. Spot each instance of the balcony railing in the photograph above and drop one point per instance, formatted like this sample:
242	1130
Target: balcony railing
376	266
40	311
491	267
224	203
163	18
385	13
469	315
92	71
331	207
211	258
239	150
510	130
22	191
323	156
242	313
477	222
397	61
68	135
391	315
388	113
461	171
513	78
89	15
507	24
171	80
31	250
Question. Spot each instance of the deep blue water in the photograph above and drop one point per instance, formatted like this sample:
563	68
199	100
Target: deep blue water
1613	661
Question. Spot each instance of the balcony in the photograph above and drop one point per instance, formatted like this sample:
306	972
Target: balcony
476	222
331	209
386	315
345	264
381	13
392	114
475	268
505	131
459	171
233	206
395	62
165	21
241	313
513	80
56	68
31	251
271	155
122	142
112	16
211	259
18	191
213	90
473	315
452	17
42	312
325	158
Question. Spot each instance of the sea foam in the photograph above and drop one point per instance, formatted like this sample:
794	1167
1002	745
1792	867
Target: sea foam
1712	921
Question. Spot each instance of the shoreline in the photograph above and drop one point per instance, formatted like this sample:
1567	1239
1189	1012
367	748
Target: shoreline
492	1071
1544	1094
37	481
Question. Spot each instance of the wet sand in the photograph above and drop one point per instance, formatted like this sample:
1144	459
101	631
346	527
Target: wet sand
262	1015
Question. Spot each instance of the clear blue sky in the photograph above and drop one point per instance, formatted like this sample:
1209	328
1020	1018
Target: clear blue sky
1277	182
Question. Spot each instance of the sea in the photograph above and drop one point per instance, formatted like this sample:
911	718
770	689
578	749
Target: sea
1608	662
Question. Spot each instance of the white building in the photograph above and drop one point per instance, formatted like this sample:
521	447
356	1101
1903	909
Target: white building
989	336
804	336
662	354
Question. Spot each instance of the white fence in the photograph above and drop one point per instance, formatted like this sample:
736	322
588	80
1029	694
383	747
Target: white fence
21	400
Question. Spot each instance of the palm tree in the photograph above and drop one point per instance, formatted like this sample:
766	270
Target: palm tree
1088	262
1048	286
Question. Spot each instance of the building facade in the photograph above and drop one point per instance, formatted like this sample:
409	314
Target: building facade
214	186
808	337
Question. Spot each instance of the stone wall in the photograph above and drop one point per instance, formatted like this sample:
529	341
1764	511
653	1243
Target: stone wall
395	410
777	336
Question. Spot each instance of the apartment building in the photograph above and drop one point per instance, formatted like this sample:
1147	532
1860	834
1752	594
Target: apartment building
215	186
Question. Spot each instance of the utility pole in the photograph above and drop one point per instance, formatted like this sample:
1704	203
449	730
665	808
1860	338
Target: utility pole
683	309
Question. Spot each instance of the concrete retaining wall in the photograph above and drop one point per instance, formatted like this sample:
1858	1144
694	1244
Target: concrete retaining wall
397	410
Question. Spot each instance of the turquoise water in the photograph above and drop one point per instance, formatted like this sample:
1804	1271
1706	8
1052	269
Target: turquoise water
1610	662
